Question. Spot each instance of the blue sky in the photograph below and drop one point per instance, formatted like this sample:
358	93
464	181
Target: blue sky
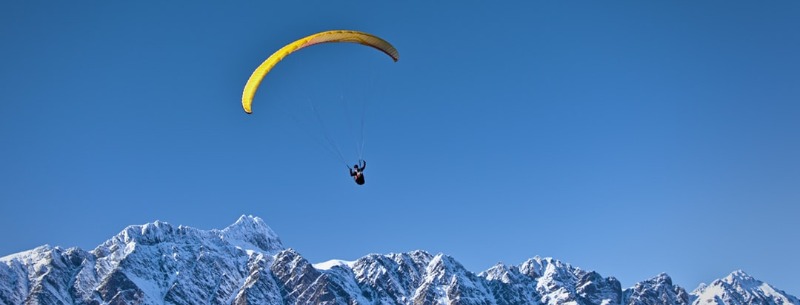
626	137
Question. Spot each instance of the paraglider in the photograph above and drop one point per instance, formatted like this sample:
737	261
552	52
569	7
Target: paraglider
253	83
357	172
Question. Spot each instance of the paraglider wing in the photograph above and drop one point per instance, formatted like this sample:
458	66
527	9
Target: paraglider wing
322	37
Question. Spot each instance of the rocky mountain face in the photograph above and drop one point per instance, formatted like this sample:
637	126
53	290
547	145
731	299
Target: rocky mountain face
246	263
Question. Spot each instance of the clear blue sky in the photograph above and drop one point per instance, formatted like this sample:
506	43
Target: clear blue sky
626	137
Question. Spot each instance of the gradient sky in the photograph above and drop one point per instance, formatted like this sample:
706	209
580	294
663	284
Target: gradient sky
626	137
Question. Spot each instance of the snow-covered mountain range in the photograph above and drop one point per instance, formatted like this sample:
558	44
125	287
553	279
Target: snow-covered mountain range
246	263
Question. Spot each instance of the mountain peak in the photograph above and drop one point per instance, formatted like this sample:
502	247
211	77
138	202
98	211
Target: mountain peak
663	277
738	278
149	233
699	289
251	224
29	255
249	220
252	232
741	288
539	266
738	275
248	233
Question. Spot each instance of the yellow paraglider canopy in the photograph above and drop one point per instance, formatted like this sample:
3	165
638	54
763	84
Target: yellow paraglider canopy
322	37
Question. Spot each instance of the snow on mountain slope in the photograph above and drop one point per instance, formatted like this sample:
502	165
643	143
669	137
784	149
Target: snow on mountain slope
155	263
658	290
246	263
326	265
739	288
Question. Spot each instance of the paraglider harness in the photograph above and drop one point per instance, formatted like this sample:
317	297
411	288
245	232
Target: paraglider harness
357	172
